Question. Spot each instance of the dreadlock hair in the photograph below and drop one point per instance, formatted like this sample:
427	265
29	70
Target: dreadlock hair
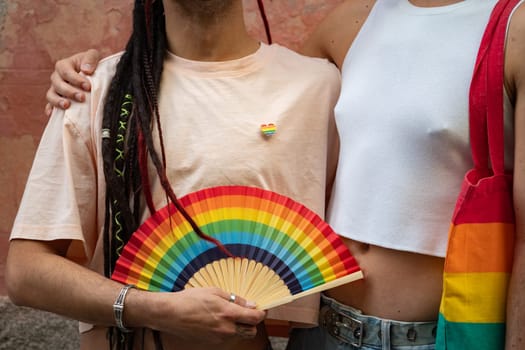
130	111
128	107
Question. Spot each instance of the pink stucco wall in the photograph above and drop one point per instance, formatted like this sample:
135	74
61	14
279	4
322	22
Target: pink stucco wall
34	34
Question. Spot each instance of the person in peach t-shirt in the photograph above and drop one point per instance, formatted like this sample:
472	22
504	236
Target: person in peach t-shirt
200	88
403	123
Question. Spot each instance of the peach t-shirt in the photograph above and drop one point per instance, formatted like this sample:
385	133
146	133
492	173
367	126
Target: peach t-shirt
211	114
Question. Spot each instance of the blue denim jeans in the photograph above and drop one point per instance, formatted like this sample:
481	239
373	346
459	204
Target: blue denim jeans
344	328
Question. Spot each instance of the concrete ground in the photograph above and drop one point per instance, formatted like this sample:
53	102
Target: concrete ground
23	328
27	329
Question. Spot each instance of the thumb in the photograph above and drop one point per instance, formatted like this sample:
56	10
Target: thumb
89	61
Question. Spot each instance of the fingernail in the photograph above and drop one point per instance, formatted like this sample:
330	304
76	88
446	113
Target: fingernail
79	97
63	104
86	86
85	66
251	304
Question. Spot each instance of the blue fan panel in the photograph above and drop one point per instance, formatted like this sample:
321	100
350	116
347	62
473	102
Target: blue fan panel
239	250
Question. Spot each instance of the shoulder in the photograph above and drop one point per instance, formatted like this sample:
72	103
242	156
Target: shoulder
336	32
83	118
515	51
101	80
105	69
285	54
314	70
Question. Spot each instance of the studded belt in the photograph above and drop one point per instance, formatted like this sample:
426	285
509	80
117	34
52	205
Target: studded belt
356	329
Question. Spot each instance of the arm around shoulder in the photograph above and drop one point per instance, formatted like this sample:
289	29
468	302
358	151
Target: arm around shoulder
67	84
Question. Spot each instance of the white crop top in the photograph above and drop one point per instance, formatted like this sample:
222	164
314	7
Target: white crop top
402	117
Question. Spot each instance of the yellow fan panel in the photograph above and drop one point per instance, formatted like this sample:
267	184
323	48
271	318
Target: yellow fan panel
244	277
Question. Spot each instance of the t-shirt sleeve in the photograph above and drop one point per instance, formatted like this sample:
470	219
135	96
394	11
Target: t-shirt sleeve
59	201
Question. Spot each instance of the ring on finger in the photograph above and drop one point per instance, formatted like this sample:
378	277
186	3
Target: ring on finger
233	297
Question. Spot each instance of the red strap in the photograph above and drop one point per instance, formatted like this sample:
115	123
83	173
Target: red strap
265	21
486	92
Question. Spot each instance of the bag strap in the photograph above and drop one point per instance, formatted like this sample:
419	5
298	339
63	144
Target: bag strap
486	92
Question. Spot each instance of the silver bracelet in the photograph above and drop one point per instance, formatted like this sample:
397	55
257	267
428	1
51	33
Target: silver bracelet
118	308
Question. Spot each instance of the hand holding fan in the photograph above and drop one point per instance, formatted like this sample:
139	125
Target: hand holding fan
282	250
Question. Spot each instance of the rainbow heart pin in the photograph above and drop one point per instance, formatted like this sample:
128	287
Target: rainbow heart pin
268	129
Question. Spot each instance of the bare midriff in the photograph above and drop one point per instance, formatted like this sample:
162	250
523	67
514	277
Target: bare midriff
398	285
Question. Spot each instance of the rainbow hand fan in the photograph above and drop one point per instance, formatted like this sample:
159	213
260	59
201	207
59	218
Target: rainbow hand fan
282	250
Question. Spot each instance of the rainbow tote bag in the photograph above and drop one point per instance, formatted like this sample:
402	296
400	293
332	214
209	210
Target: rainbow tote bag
481	237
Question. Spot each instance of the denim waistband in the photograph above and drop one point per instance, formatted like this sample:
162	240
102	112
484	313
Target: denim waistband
349	325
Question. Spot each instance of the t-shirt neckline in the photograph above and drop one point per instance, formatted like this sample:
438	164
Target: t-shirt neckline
238	66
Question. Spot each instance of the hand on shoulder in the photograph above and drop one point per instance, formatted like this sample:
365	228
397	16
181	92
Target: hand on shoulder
66	81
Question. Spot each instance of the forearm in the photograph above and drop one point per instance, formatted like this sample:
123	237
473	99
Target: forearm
39	276
58	285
